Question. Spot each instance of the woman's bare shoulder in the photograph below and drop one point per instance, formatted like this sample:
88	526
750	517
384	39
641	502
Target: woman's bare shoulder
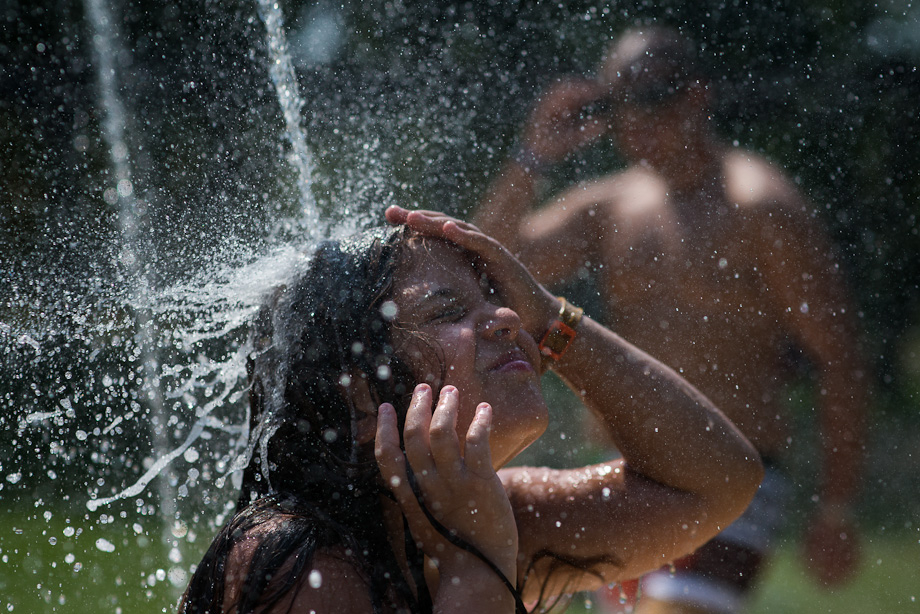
331	582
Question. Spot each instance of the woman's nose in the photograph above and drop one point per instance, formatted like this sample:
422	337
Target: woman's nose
502	322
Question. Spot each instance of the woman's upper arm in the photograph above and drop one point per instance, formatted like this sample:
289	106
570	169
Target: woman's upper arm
608	520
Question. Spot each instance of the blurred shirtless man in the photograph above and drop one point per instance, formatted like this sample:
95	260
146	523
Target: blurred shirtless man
709	257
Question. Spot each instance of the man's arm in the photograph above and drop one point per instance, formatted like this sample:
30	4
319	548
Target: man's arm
557	241
808	286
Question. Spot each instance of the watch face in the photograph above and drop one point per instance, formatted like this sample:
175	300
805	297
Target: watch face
557	340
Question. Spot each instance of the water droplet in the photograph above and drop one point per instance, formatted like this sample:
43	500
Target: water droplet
388	310
125	188
105	545
316	579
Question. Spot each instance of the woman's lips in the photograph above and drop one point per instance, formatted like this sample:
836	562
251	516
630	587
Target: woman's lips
512	361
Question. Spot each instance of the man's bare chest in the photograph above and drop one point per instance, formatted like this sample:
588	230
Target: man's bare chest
709	278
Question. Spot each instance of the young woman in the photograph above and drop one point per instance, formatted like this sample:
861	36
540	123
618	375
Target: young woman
393	381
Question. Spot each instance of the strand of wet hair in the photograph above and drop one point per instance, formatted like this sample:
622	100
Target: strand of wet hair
461	543
417	568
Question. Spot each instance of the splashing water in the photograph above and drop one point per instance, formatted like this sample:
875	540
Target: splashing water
281	71
123	380
129	383
205	377
106	46
207	317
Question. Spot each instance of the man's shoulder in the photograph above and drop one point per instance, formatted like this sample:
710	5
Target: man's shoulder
759	186
774	211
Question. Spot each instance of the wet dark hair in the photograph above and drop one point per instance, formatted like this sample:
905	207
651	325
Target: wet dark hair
308	480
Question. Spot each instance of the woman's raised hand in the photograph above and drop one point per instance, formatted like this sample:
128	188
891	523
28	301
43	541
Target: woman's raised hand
455	481
516	286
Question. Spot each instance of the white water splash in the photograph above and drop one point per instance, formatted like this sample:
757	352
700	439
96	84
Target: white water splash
281	71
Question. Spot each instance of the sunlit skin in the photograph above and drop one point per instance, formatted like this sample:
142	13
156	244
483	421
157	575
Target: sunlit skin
486	353
709	258
686	470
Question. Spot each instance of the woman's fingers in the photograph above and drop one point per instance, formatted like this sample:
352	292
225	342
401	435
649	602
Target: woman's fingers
416	434
427	222
471	238
437	224
445	444
520	291
477	455
396	215
462	492
390	457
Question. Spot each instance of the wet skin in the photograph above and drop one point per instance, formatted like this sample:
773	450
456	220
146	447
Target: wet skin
480	346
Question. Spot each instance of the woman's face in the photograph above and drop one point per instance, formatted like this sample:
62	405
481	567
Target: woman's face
451	324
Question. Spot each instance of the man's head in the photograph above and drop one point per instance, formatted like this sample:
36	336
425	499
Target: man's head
650	66
658	92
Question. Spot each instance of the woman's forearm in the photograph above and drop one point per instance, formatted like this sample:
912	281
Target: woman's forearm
665	429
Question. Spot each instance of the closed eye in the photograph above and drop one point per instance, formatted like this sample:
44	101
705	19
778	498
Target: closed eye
451	313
